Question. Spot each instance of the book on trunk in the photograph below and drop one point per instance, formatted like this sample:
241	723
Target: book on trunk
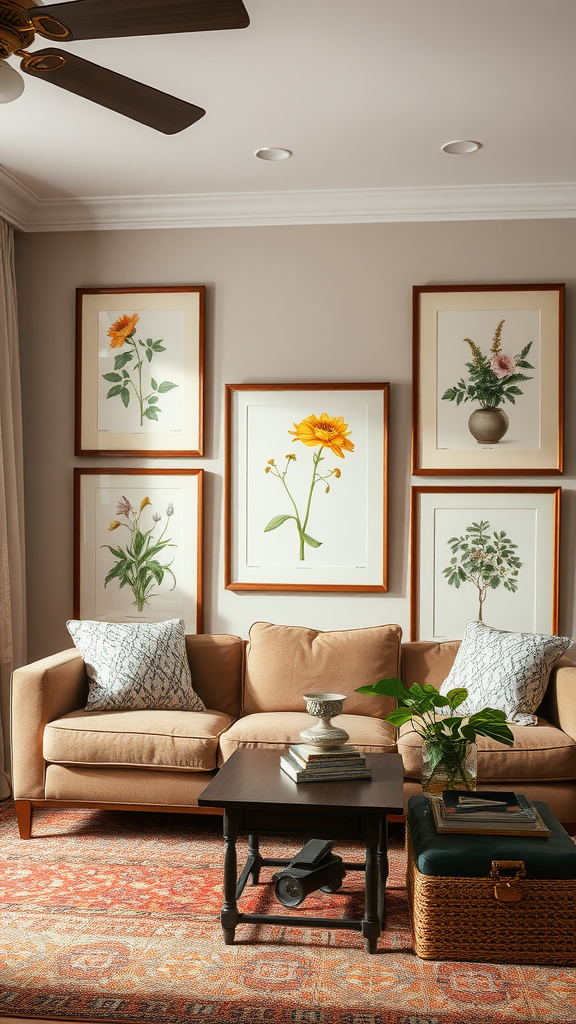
512	825
487	805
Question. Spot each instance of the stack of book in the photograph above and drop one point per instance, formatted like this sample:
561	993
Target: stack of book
489	812
307	763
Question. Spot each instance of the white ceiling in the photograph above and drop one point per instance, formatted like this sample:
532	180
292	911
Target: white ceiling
364	92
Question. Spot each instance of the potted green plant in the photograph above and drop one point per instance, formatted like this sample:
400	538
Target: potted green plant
449	748
492	380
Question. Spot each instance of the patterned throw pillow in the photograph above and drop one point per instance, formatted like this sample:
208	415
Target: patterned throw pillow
508	671
135	665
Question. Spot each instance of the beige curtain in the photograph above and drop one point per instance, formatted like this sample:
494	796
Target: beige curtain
12	579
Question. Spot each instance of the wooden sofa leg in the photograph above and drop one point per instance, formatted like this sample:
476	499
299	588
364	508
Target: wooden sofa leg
24	816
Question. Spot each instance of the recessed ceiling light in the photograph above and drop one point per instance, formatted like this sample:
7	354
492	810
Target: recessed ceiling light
461	146
270	153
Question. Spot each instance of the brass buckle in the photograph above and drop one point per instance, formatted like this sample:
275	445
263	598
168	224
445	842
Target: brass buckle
505	873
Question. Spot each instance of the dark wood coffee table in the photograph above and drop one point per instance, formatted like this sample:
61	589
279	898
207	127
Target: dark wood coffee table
261	800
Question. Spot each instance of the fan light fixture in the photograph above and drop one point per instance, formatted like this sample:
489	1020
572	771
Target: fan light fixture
271	153
461	146
11	83
20	23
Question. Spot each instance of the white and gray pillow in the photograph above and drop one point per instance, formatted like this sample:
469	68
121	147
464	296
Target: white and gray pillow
135	665
508	671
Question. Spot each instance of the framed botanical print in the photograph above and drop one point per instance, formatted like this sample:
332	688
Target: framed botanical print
306	487
138	545
488	379
140	371
488	553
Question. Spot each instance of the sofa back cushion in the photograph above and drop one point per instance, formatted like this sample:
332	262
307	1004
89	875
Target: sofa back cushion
217	663
285	662
427	661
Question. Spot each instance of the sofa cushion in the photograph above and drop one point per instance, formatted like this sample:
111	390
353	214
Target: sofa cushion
134	786
186	740
540	752
503	670
132	665
427	661
274	729
217	665
285	662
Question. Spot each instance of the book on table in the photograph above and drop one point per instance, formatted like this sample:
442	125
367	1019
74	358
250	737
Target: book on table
325	771
308	752
342	757
494	814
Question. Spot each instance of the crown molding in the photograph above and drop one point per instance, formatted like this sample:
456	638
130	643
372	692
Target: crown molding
16	201
28	212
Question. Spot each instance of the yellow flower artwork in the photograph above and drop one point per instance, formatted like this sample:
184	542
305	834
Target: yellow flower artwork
326	433
128	378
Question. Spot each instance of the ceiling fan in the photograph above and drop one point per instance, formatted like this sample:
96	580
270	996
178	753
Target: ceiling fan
105	19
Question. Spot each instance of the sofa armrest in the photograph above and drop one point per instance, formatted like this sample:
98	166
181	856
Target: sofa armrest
41	692
559	704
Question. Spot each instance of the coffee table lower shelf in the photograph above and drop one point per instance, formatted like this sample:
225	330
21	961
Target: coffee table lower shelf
375	869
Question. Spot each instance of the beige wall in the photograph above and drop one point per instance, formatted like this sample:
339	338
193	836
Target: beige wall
302	303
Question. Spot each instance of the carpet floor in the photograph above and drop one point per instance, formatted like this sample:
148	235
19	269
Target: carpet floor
109	916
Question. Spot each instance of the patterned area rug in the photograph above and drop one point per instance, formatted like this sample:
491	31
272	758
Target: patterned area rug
106	916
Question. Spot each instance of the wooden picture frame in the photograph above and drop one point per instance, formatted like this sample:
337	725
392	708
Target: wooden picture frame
140	371
463	539
117	513
488	379
306	510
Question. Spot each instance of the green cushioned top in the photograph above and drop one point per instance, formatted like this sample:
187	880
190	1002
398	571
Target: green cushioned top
471	856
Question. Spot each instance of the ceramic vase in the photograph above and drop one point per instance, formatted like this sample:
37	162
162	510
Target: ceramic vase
488	426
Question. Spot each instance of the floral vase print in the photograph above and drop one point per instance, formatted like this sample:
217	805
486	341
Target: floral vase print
492	380
486	560
137	564
329	435
129	379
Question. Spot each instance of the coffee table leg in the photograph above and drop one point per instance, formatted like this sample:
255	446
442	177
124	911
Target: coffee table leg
255	858
229	915
371	919
382	869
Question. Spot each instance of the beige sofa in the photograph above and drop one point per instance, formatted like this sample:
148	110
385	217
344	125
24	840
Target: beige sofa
162	760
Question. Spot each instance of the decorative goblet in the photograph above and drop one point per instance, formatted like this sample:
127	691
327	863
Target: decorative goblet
324	706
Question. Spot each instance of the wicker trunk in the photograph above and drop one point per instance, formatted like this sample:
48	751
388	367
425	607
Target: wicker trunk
502	918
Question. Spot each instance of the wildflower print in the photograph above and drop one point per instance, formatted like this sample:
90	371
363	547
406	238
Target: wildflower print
502	365
328	434
491	380
122	328
137	564
124	506
127	378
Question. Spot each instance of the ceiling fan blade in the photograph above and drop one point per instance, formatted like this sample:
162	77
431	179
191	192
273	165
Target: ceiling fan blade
104	19
140	102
